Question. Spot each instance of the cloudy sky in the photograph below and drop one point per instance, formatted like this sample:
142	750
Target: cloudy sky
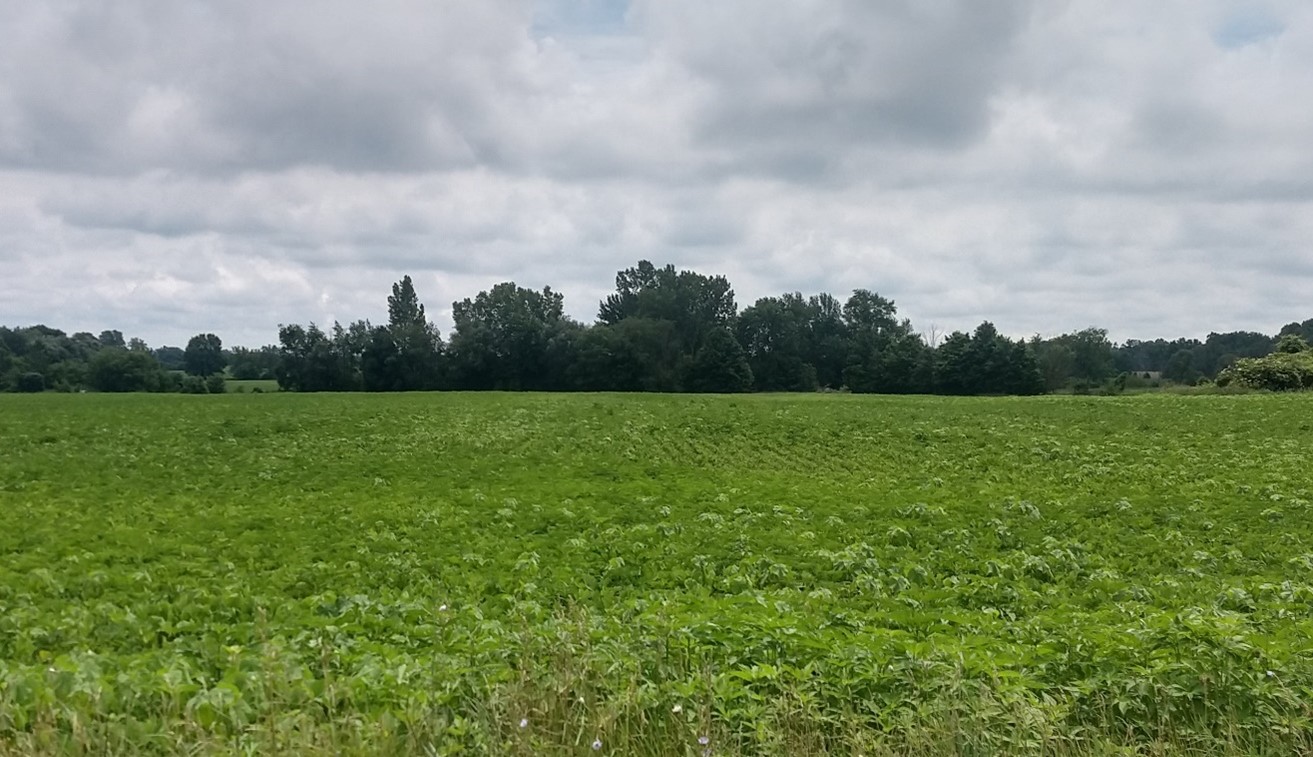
176	166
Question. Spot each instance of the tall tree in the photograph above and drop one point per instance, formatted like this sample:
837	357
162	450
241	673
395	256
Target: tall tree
695	303
986	362
311	361
634	355
719	365
204	355
1218	348
771	332
404	308
826	340
172	358
1085	356
1180	368
1302	330
381	367
884	352
111	338
954	370
410	356
502	338
1091	354
246	364
1056	361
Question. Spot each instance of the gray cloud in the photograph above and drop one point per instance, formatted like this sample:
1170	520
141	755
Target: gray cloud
168	167
248	86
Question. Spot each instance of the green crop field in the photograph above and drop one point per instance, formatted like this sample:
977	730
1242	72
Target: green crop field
655	575
237	386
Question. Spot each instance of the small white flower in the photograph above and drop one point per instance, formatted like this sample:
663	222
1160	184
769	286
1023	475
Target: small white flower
677	709
1271	674
442	608
704	740
524	722
597	744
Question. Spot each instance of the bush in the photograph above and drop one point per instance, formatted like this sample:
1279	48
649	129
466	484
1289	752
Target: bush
1278	372
170	381
1292	344
193	385
215	384
30	382
118	370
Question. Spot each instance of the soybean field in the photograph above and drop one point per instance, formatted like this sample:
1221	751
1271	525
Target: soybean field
529	574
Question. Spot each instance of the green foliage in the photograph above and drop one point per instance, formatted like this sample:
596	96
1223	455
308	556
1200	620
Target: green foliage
719	365
406	355
170	358
252	385
694	303
503	338
1279	372
112	338
404	308
633	355
986	362
1291	343
30	381
800	575
1180	368
1302	330
772	333
115	369
250	365
194	385
1084	356
380	363
884	355
204	355
312	361
1187	361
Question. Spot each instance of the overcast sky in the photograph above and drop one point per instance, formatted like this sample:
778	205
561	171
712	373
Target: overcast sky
175	166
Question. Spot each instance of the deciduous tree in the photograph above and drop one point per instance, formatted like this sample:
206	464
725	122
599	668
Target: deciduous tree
204	355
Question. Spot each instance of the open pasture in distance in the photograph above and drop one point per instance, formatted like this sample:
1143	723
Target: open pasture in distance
237	386
542	574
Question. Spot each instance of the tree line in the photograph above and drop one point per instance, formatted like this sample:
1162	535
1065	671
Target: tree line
666	330
661	330
40	358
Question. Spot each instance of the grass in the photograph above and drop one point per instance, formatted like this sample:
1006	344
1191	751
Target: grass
239	386
363	574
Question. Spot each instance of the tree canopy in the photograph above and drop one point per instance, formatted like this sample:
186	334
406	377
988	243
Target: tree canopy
661	330
204	355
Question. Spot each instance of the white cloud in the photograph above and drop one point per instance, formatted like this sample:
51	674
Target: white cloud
170	168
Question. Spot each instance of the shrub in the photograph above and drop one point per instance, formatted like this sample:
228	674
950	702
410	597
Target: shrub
1292	344
1278	372
194	385
30	382
119	370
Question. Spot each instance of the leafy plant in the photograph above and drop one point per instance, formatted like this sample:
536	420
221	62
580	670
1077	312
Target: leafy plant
533	574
